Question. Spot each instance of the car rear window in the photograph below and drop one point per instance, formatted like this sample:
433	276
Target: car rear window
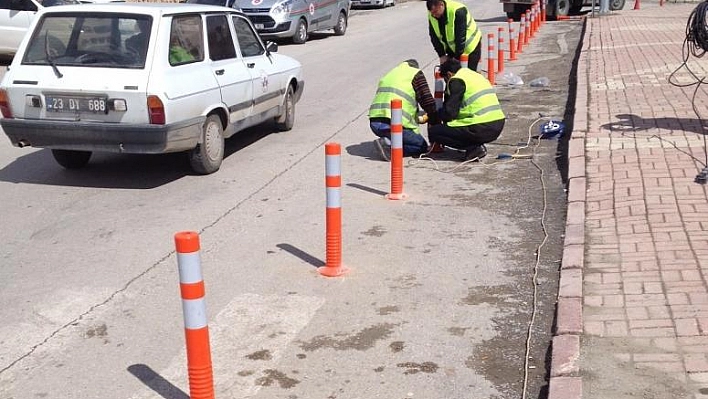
90	40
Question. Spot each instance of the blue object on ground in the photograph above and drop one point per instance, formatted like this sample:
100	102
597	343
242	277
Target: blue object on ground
552	129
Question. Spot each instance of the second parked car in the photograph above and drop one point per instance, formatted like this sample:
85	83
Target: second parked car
294	19
144	78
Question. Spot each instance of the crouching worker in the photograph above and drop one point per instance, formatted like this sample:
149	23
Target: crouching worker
471	112
406	82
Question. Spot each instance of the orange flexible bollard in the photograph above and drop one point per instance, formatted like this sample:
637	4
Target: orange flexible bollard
464	60
490	58
543	11
512	42
196	331
439	89
500	51
396	151
333	182
527	27
521	34
532	17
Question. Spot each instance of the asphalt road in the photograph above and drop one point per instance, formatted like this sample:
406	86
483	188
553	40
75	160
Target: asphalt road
444	286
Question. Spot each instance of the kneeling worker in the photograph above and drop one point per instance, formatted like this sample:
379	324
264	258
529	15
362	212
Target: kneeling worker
406	82
471	112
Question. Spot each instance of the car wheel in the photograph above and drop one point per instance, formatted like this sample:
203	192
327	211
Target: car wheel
616	5
71	159
206	157
286	120
300	35
341	26
562	7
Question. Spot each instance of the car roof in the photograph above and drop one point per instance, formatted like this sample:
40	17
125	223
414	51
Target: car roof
154	9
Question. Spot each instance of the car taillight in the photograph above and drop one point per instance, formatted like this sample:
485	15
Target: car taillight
5	105
155	109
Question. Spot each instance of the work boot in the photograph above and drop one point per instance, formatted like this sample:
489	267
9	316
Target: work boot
475	153
436	148
383	149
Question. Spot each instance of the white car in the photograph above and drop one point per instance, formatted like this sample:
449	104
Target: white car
144	78
16	17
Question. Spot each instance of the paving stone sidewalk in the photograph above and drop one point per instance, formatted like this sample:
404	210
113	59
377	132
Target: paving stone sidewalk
632	317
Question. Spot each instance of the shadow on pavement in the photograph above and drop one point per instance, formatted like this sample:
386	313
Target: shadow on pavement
316	262
367	189
155	382
123	171
634	123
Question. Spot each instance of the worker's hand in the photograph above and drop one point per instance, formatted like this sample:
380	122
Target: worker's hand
423	118
443	59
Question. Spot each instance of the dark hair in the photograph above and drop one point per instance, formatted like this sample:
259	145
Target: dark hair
451	65
432	3
413	63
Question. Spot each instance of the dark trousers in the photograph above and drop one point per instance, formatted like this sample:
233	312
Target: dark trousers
465	137
473	60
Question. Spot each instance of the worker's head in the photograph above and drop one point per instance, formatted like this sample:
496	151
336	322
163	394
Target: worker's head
436	7
413	63
449	68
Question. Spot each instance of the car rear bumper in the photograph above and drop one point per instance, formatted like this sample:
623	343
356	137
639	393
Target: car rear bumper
86	136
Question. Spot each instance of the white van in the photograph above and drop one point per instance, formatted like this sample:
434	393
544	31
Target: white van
15	18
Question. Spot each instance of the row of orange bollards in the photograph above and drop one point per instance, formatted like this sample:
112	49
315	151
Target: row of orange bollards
529	25
200	375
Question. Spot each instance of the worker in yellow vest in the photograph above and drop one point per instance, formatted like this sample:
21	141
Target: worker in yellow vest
471	112
405	82
453	31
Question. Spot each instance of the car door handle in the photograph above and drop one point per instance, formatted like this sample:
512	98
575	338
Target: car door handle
219	72
251	64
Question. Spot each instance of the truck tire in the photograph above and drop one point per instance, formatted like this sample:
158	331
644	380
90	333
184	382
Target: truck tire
518	10
560	7
616	5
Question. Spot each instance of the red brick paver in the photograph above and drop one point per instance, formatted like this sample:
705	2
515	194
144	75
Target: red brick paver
636	248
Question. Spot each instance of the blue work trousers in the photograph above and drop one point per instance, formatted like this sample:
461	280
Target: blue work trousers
414	144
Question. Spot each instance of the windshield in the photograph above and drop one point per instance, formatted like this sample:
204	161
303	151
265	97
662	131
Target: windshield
49	3
226	3
90	39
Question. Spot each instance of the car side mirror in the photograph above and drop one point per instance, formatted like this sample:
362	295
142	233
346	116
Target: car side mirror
272	47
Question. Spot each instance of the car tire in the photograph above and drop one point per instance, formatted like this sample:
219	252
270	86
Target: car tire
286	120
616	4
300	35
561	7
207	156
71	159
341	27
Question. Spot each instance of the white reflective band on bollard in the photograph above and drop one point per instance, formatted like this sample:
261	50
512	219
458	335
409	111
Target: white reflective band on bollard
189	265
194	313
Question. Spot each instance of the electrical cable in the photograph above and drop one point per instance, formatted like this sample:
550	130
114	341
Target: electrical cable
516	155
534	277
695	43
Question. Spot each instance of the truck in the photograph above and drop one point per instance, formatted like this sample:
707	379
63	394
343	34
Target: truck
554	8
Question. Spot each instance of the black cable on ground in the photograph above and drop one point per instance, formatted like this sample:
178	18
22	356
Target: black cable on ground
696	44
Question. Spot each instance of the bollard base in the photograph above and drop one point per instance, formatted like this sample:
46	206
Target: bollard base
329	271
400	196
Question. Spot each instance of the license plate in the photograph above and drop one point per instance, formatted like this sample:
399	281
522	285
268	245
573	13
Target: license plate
260	26
96	105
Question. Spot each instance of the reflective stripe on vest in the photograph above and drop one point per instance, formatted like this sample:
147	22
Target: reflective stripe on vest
473	34
480	103
397	83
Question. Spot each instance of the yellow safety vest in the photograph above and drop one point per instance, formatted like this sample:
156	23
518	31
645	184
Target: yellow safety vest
397	83
473	34
479	103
